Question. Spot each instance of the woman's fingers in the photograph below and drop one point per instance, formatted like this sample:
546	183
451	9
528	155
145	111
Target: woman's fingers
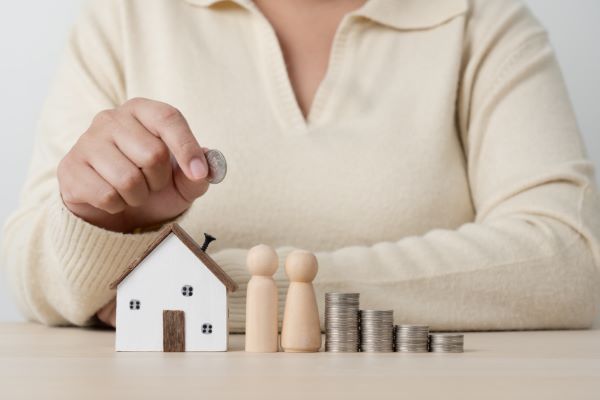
144	149
124	160
167	123
189	190
116	169
83	185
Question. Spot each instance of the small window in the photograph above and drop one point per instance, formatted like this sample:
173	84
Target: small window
187	291
134	304
206	328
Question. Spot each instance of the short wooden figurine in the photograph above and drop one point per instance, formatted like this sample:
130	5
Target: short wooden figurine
301	332
173	297
261	301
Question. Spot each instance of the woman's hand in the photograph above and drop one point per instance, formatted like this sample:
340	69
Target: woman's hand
120	174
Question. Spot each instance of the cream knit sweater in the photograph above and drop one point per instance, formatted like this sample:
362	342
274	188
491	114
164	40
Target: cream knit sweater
439	173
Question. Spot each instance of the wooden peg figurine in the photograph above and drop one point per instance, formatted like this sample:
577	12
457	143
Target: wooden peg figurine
301	332
261	300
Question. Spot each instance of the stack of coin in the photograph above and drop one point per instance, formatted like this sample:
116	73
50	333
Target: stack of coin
376	331
411	338
341	322
446	342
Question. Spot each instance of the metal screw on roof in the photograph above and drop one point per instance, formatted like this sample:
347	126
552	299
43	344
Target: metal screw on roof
207	239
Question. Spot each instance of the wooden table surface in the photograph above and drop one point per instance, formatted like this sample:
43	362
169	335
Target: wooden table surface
37	362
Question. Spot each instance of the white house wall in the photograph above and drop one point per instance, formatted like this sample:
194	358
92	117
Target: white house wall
157	283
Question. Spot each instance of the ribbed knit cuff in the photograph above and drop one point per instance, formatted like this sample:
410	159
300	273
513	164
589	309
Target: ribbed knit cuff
90	258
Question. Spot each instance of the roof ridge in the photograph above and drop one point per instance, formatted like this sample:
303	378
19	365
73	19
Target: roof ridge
191	244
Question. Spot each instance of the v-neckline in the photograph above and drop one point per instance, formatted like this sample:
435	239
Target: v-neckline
282	91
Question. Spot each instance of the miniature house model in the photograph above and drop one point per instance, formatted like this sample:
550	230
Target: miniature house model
173	297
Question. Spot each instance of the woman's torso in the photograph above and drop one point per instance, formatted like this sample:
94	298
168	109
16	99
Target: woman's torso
379	156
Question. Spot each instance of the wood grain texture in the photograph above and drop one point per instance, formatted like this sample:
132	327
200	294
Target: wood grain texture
37	362
190	244
173	331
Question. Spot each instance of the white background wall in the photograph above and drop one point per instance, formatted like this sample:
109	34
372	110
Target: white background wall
32	34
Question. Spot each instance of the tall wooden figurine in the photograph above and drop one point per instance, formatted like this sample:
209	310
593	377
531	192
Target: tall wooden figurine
301	332
261	300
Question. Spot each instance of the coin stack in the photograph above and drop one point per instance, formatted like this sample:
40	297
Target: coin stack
341	322
411	338
446	342
376	331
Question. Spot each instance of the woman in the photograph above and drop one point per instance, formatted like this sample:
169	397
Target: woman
425	150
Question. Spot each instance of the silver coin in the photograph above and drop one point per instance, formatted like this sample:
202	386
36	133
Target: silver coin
341	322
446	342
411	338
377	331
217	165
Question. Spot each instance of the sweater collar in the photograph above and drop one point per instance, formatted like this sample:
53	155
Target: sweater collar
398	14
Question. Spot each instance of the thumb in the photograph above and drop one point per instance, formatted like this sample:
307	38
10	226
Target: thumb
188	189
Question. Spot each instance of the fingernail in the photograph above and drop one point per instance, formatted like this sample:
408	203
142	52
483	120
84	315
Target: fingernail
198	168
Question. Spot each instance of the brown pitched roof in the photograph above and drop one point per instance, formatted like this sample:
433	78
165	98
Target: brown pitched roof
190	244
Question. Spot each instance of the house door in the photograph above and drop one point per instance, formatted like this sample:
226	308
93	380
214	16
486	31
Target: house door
173	330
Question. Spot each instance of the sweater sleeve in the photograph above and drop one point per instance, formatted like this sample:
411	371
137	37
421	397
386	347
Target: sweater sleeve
530	258
58	265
